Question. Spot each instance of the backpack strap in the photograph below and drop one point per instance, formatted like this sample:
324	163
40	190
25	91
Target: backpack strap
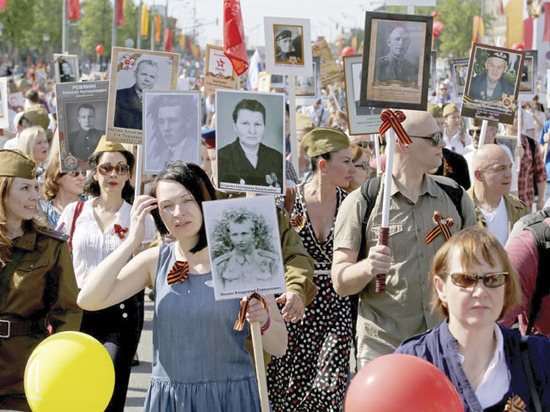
455	193
77	212
533	147
369	191
524	350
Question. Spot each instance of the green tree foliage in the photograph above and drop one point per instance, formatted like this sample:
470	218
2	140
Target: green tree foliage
96	22
18	20
457	15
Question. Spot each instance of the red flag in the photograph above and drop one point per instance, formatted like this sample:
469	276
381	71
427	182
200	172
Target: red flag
3	4
528	33
546	28
437	27
119	12
73	9
233	36
167	40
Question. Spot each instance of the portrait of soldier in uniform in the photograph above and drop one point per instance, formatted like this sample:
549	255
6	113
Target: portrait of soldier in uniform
66	73
244	249
128	103
288	43
395	66
492	85
82	142
172	129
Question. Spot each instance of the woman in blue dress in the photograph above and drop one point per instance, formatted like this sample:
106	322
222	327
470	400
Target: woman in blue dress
199	362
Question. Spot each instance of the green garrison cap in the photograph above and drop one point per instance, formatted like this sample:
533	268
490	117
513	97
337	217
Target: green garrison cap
15	163
105	146
324	140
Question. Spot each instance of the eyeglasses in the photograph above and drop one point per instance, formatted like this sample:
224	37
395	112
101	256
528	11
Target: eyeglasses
490	280
107	168
364	145
362	165
73	174
435	138
472	132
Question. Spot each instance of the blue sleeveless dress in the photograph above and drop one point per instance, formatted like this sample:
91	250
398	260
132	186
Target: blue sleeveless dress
199	362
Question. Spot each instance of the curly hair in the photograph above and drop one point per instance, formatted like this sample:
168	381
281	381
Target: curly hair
222	238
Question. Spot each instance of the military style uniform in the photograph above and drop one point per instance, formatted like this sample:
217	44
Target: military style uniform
389	68
41	291
478	88
259	265
83	143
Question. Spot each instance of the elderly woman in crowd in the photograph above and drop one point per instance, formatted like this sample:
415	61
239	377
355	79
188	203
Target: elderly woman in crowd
37	287
474	286
312	374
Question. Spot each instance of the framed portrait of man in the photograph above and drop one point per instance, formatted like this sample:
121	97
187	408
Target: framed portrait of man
396	61
66	68
250	141
244	245
459	74
308	88
287	46
132	73
81	120
492	85
528	81
361	119
171	128
4	96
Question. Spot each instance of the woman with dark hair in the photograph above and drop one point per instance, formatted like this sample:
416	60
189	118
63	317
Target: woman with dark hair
312	375
199	362
97	228
37	287
475	286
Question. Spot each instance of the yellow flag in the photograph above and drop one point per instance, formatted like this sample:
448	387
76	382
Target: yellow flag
354	43
182	41
144	21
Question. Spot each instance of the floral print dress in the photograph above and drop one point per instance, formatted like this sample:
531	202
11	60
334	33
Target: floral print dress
312	375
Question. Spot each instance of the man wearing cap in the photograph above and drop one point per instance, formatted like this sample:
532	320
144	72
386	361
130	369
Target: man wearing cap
285	49
386	319
128	103
394	66
82	143
34	116
38	289
492	85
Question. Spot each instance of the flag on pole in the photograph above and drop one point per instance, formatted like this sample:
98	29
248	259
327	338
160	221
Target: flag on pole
233	36
158	21
120	12
167	40
546	28
254	72
144	21
478	29
73	9
3	4
182	41
514	21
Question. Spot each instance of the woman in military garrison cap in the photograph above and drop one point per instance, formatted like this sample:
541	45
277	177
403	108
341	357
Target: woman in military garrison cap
37	283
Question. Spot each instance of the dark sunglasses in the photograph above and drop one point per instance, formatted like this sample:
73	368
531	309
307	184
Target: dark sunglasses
490	280
362	165
107	168
364	145
472	132
73	174
435	138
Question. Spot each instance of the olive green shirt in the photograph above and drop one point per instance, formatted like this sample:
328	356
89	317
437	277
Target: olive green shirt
386	319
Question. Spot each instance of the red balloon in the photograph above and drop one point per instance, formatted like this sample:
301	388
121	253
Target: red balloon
347	51
518	46
435	14
99	49
400	382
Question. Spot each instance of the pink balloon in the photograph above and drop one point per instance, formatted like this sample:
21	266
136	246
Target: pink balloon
347	51
400	382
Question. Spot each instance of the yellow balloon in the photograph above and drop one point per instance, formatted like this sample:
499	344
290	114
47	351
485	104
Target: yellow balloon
67	372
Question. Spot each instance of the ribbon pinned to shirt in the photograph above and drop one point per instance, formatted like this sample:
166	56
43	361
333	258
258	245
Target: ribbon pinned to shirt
179	272
120	231
239	324
394	119
443	226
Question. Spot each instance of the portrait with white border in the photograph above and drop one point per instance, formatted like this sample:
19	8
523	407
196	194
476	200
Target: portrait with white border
288	46
244	246
66	68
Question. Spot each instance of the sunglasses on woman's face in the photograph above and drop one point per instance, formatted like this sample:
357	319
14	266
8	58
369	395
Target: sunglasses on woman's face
490	280
107	168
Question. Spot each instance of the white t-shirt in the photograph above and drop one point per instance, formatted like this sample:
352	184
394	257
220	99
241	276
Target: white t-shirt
454	143
90	245
497	221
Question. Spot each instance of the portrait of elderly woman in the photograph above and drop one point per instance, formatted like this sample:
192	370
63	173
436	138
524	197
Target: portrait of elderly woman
243	252
248	160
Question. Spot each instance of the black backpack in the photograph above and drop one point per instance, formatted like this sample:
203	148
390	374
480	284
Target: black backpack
534	222
370	189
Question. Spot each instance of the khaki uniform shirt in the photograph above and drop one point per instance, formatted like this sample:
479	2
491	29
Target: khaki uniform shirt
386	319
43	286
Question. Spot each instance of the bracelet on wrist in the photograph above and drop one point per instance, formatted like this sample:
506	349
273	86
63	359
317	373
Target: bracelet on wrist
266	325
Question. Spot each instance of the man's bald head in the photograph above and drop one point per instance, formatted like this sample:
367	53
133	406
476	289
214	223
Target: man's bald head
485	154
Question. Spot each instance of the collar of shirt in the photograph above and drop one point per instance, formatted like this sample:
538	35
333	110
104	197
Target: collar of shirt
26	241
242	259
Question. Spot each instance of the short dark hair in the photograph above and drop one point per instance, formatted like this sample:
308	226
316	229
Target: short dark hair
197	182
315	161
85	106
92	187
248	104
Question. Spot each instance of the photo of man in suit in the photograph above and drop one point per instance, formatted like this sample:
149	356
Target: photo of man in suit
128	104
82	143
175	130
395	66
492	85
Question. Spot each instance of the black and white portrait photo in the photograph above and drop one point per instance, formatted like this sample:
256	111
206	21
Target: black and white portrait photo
66	68
396	58
88	128
172	128
289	45
244	246
249	141
132	73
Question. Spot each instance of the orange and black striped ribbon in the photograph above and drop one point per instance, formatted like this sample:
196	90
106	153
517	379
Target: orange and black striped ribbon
179	272
298	222
120	231
515	404
381	278
239	323
440	228
394	120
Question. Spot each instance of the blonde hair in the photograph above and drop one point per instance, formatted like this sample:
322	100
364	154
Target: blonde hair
27	139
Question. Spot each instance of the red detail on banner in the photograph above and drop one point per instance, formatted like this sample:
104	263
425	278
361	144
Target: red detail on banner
168	40
546	27
73	9
528	33
233	36
119	12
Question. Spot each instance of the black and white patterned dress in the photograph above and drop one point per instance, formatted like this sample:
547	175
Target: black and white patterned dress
312	375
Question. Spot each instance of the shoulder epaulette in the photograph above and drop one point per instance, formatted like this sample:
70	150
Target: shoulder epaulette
54	234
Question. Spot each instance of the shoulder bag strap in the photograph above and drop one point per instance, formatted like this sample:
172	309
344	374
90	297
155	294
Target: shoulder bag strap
77	212
524	349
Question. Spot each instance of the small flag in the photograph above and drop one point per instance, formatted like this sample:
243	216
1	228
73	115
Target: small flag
233	36
144	21
167	40
158	22
254	72
73	9
120	12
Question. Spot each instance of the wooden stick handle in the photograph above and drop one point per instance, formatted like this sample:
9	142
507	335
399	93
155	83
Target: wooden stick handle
259	361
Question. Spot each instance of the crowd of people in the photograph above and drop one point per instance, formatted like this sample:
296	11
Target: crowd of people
78	249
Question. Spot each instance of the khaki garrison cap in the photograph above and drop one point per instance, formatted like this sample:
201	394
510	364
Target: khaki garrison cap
324	140
15	163
105	146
